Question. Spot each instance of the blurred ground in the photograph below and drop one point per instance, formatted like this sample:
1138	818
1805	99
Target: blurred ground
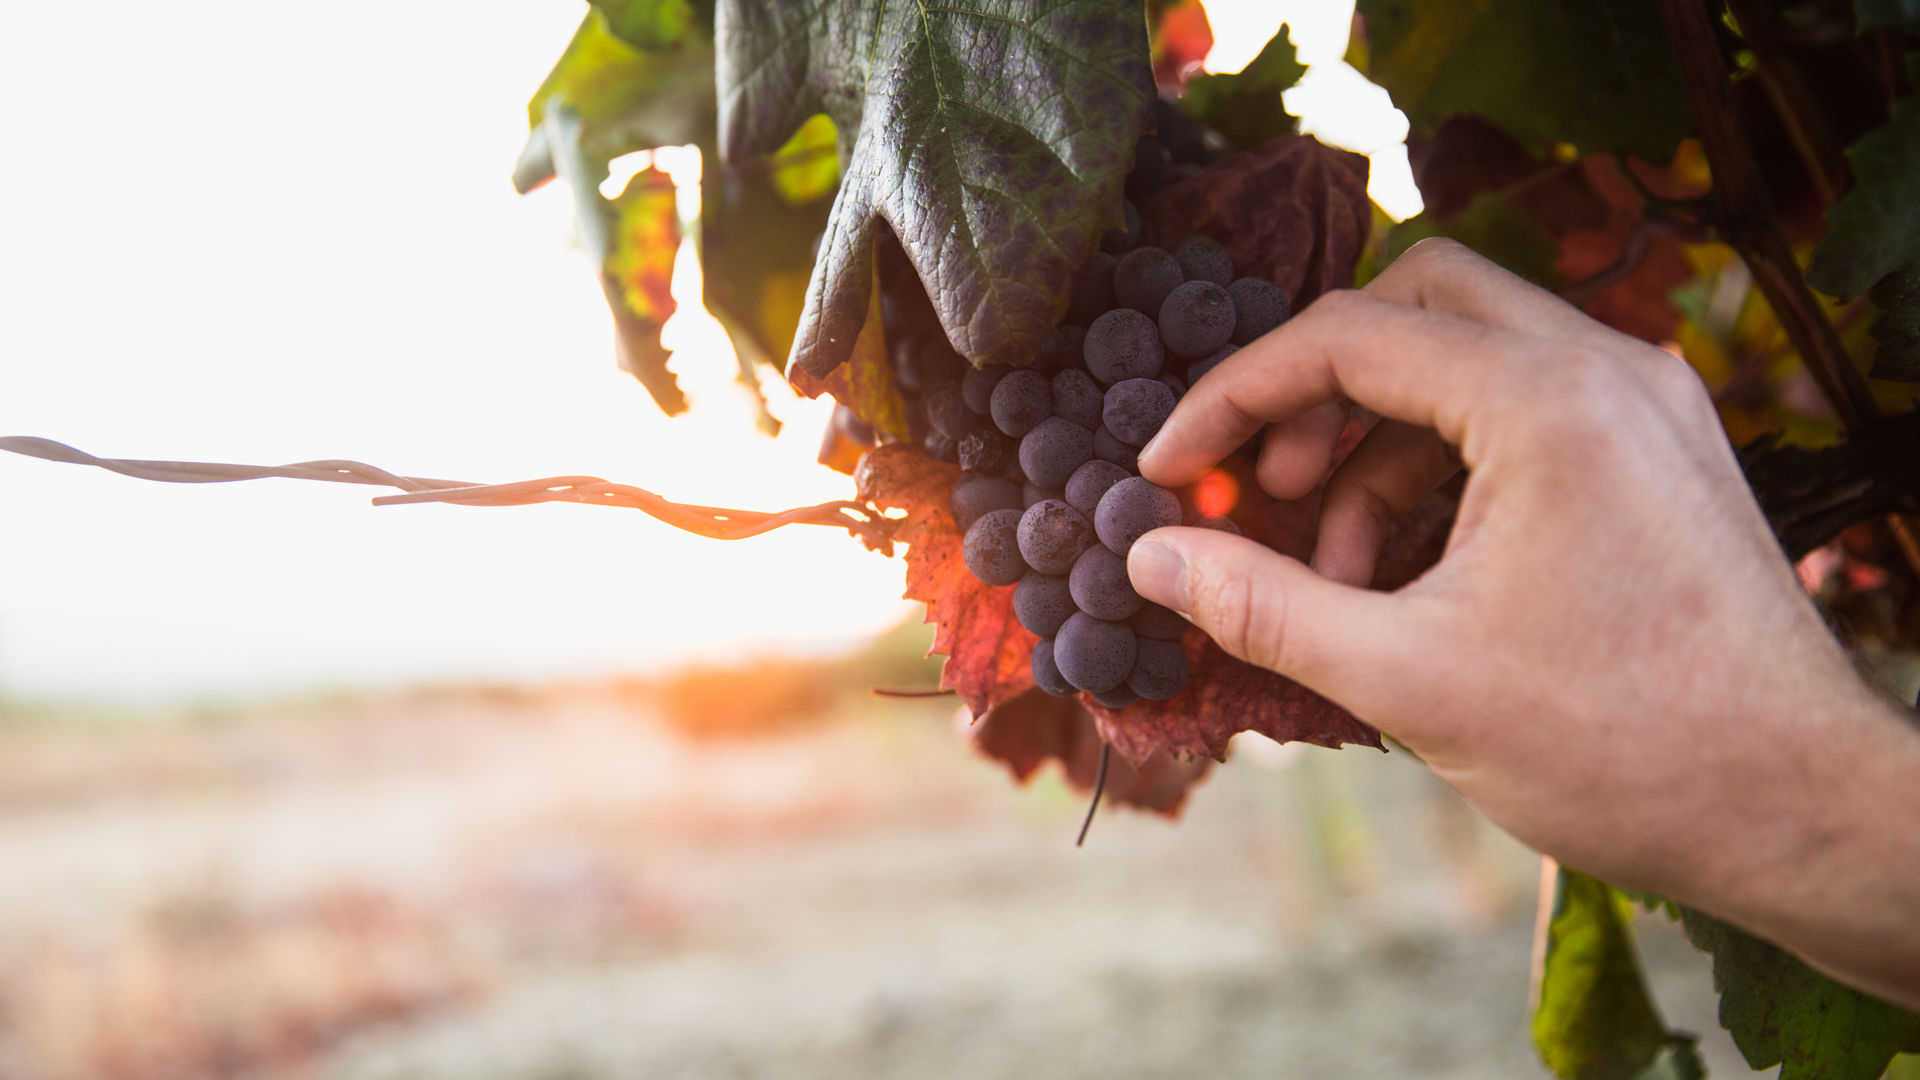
499	886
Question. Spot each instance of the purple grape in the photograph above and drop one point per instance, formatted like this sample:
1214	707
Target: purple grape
1202	258
1196	319
1051	451
974	495
1094	655
1031	493
1131	509
940	445
1045	674
1117	698
1258	306
1123	344
1099	585
1153	622
1134	409
1094	294
984	450
1108	448
1051	535
1160	670
1120	241
976	387
1076	397
1143	277
904	353
1174	383
1090	481
948	412
1201	367
1020	401
1060	350
991	548
1043	601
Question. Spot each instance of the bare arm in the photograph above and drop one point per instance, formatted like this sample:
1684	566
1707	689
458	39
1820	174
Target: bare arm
1613	660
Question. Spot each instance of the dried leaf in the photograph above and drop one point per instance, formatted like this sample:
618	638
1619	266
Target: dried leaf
1036	728
1293	210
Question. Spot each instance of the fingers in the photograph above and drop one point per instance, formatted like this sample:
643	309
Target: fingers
1297	453
1272	611
1445	275
1391	470
1426	368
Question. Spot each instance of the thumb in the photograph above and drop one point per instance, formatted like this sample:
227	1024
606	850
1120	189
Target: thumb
1271	610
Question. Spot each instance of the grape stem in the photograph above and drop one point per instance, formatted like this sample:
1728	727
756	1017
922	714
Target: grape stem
1099	786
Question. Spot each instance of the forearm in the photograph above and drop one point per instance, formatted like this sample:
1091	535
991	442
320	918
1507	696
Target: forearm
1835	870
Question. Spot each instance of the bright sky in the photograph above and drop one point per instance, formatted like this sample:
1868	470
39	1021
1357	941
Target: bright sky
263	233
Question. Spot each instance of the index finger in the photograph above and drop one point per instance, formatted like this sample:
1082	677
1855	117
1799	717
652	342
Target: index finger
1429	368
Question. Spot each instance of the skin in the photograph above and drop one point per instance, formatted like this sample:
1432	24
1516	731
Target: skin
1613	660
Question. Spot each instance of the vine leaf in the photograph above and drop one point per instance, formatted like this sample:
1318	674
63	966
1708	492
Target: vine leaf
1537	70
657	24
1595	1019
1875	228
1896	334
865	384
1292	210
1245	107
1903	14
992	138
1782	1012
1035	728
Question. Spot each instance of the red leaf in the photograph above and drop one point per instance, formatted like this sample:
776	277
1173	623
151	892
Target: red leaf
1035	728
1635	266
1293	211
865	382
987	649
1181	41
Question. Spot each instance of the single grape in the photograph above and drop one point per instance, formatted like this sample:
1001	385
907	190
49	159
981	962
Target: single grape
984	450
1123	344
1134	409
948	412
1100	587
1043	601
940	445
1201	367
1160	670
1202	258
1051	451
1020	401
1143	277
1117	698
1196	319
1094	294
1031	493
976	387
1120	241
991	548
1060	350
1259	306
1051	535
1158	623
1151	163
1045	674
1131	509
974	495
1185	139
1094	655
1090	481
1076	397
1108	448
904	353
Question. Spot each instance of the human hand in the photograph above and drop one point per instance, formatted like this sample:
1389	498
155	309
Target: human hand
1613	660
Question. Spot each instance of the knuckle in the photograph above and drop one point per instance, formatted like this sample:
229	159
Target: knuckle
1434	250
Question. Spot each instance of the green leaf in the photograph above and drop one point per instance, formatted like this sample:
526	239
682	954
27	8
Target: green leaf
1597	74
657	24
1595	1020
1493	226
993	139
1904	14
1896	333
1245	107
1782	1012
1875	229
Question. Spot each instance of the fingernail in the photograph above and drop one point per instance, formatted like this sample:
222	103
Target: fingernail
1159	574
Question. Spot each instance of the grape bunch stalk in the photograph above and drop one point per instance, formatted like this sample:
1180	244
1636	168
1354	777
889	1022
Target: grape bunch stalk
1050	496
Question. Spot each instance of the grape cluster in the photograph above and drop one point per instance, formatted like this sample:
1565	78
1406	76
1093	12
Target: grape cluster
1054	508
